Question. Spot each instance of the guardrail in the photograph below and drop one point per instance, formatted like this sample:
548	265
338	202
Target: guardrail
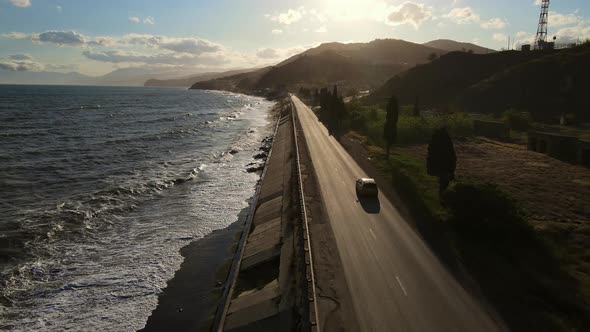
313	308
221	313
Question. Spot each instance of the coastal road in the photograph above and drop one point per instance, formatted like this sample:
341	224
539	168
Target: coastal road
396	282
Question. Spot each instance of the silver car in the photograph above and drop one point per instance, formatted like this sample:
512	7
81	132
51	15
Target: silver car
366	187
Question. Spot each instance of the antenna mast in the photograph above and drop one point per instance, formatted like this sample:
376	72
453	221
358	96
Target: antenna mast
541	37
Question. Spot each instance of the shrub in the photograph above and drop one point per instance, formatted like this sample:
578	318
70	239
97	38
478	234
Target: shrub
487	214
517	120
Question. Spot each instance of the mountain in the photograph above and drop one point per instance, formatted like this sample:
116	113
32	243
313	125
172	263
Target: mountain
358	66
451	46
545	83
244	82
187	81
327	68
376	52
44	77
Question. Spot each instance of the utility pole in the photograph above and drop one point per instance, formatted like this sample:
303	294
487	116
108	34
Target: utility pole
541	37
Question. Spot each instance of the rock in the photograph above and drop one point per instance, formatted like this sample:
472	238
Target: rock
261	155
254	169
234	151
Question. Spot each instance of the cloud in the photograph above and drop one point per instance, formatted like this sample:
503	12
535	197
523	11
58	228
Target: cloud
136	19
558	20
288	17
411	13
103	41
573	34
17	35
466	15
463	15
25	65
268	53
494	23
20	57
322	29
62	38
191	45
21	3
500	37
118	56
149	20
276	31
58	8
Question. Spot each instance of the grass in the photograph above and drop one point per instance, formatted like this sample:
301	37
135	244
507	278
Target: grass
523	276
410	129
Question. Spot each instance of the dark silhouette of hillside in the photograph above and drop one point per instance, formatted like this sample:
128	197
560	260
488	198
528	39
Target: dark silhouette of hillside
548	87
329	67
376	52
351	66
244	82
451	46
192	79
440	81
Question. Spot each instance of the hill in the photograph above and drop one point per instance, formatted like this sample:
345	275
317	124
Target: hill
439	82
243	82
359	66
376	52
451	46
187	81
548	87
547	83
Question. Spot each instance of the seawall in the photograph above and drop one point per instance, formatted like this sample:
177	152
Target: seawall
268	286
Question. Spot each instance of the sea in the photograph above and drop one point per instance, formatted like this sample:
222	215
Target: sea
100	188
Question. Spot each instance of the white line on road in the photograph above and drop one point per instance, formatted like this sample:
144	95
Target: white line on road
373	234
401	285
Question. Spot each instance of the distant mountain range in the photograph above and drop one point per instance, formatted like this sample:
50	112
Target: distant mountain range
187	81
358	66
135	76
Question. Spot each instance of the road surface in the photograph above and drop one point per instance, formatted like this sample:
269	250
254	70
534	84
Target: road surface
396	282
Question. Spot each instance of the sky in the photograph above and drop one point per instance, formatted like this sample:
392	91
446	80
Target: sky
97	37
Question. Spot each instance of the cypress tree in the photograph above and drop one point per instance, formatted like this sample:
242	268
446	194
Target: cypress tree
441	160
390	128
416	111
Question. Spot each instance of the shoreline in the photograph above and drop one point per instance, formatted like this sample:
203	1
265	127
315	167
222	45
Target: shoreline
185	304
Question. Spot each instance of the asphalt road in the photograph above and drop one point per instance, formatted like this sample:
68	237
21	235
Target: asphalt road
396	282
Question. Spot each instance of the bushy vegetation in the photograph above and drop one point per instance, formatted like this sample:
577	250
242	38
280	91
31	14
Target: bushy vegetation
516	120
410	129
488	232
441	160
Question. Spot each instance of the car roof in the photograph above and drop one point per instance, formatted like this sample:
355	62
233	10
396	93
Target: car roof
367	180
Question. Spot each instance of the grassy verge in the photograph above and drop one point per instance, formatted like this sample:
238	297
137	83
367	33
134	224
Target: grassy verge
518	271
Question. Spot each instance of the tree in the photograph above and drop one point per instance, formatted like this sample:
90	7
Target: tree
441	160
416	111
432	56
390	128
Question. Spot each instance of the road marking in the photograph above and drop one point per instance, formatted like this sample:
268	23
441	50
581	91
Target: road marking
373	234
401	285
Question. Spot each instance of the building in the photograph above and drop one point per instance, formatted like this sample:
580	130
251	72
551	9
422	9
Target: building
584	153
557	145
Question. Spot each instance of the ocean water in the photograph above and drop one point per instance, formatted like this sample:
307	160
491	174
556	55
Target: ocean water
100	187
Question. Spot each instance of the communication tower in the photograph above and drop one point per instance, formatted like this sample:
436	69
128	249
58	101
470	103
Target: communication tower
541	38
